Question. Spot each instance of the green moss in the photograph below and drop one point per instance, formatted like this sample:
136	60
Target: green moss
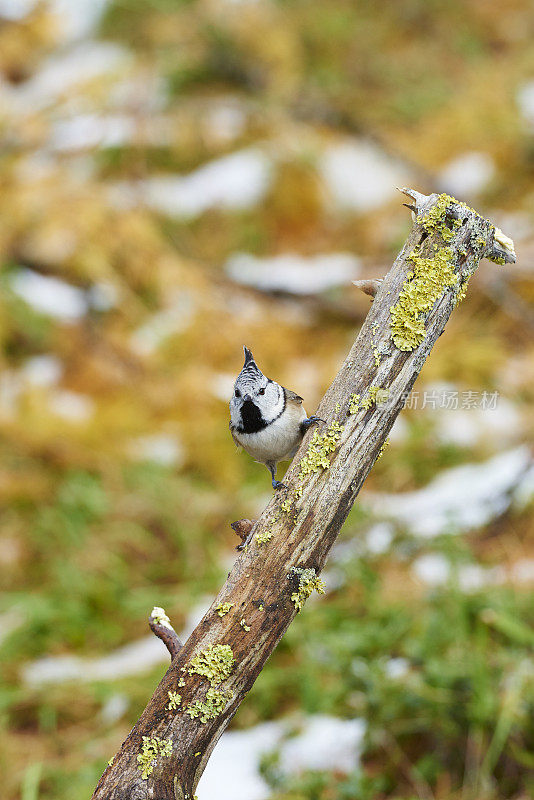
152	748
224	608
215	663
209	708
174	701
317	456
308	582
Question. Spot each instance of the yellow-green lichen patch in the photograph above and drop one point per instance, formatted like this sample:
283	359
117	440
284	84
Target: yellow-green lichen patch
381	451
174	701
434	219
317	456
354	403
308	582
214	663
264	536
111	760
422	287
375	396
209	708
224	608
286	506
376	355
152	748
244	625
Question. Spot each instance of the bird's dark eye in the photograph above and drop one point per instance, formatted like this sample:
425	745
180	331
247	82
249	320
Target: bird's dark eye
237	393
261	391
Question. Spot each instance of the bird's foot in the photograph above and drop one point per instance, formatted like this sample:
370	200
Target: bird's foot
278	484
306	424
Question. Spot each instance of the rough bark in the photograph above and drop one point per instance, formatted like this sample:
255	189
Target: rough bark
301	522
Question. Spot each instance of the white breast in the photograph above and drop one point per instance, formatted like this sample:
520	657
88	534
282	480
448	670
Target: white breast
279	440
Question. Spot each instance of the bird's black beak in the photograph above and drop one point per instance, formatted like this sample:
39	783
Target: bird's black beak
247	398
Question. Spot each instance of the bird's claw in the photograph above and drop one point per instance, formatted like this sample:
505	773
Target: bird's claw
306	424
278	484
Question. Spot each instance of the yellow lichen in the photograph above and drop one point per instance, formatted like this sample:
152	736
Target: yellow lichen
381	451
318	451
174	701
215	663
152	748
422	287
244	625
224	608
308	582
209	708
428	279
354	403
376	395
111	760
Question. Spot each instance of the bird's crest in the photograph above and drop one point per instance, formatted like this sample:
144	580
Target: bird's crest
250	370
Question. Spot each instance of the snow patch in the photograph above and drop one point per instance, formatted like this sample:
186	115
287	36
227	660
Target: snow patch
459	499
233	182
323	743
159	448
293	273
467	175
360	176
50	296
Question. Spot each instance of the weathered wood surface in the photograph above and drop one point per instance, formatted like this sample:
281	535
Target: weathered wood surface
303	529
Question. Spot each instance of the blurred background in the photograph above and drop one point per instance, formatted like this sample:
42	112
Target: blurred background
179	178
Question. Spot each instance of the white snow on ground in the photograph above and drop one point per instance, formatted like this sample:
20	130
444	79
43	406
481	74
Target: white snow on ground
78	18
132	659
293	273
170	321
48	295
466	427
92	130
160	448
323	743
525	101
459	499
45	370
435	569
16	9
467	175
72	406
61	72
360	176
236	181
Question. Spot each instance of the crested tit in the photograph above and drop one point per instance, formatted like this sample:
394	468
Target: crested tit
266	420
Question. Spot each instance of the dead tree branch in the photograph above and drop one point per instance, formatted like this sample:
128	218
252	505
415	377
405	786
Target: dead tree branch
167	750
160	624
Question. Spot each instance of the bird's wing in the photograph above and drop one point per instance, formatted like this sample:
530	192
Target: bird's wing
293	397
232	432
